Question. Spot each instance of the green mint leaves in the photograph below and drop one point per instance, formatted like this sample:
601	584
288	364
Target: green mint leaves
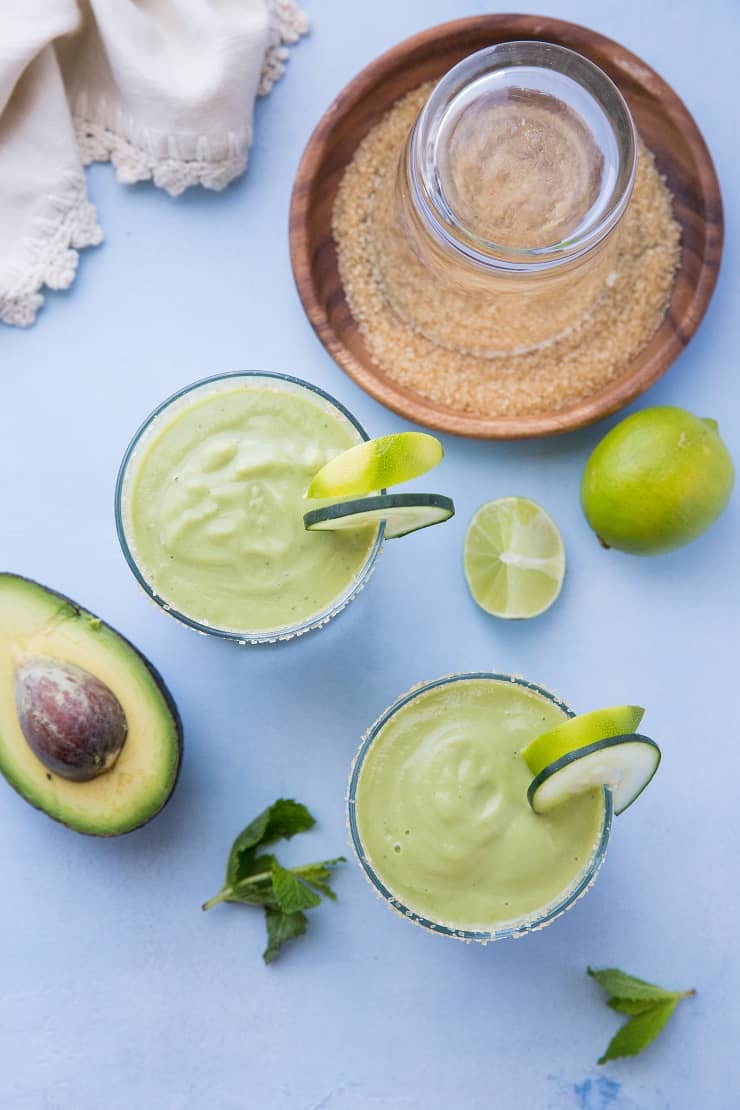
648	1007
256	878
282	927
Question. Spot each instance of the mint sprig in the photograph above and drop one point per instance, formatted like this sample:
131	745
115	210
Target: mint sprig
648	1007
256	878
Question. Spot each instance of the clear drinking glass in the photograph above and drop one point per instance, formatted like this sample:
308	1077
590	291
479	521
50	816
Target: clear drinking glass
507	199
540	917
150	429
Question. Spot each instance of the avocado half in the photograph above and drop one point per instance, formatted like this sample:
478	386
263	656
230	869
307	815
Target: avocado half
37	621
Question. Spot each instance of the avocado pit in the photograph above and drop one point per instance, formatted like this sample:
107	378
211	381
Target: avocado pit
72	722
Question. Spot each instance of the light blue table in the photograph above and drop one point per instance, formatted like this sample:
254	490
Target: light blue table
117	992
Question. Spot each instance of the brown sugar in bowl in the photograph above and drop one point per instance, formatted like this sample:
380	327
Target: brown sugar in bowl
664	124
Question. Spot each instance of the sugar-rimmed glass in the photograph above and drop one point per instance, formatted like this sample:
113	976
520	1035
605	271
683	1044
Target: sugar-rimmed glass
126	478
538	918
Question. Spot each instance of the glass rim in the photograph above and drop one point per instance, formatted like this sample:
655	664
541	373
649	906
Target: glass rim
440	218
520	926
289	631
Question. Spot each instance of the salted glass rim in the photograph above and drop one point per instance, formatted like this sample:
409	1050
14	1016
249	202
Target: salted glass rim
519	926
285	632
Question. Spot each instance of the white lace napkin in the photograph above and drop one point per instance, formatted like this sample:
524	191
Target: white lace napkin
163	89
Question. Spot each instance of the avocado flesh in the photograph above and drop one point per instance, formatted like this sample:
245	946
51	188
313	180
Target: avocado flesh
37	621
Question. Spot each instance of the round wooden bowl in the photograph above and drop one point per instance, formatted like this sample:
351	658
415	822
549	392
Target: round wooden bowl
664	123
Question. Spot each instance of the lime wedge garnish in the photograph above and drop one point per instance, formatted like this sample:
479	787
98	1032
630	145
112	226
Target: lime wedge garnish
376	464
402	513
580	731
514	558
623	764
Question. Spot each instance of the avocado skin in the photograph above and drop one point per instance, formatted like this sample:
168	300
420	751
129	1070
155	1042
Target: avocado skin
169	701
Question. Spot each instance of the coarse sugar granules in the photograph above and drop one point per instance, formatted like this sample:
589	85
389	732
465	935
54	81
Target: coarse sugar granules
547	378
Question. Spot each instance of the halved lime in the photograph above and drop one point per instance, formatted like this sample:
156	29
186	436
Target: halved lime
402	513
623	764
514	558
579	731
376	464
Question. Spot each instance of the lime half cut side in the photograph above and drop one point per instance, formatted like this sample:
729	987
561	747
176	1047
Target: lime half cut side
402	513
514	558
622	764
580	731
376	464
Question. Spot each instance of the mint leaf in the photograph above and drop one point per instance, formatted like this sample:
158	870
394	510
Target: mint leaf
320	874
620	985
282	927
259	868
637	1033
630	1005
253	884
290	893
280	821
257	878
286	818
647	1005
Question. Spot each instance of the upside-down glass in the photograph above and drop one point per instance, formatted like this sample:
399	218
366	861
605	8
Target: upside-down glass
507	200
544	915
127	475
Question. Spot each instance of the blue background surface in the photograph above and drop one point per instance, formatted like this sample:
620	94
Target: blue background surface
117	992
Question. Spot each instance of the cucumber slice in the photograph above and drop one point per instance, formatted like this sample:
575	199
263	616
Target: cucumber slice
402	513
623	764
578	731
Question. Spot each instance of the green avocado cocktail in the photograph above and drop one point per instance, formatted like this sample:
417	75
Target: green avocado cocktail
210	504
440	820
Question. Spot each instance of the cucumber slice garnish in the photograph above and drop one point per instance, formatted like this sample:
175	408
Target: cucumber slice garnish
623	764
376	464
402	513
579	731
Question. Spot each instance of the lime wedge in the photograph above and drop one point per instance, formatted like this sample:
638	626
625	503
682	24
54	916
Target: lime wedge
623	764
514	558
377	463
402	513
579	731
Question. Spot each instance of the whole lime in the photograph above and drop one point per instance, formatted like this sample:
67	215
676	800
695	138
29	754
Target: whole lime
656	481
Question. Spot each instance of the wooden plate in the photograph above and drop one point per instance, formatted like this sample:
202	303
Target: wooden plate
664	123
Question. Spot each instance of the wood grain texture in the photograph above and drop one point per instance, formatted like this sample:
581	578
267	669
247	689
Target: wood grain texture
661	118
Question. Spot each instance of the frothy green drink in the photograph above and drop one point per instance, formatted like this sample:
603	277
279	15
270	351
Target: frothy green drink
211	504
440	818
